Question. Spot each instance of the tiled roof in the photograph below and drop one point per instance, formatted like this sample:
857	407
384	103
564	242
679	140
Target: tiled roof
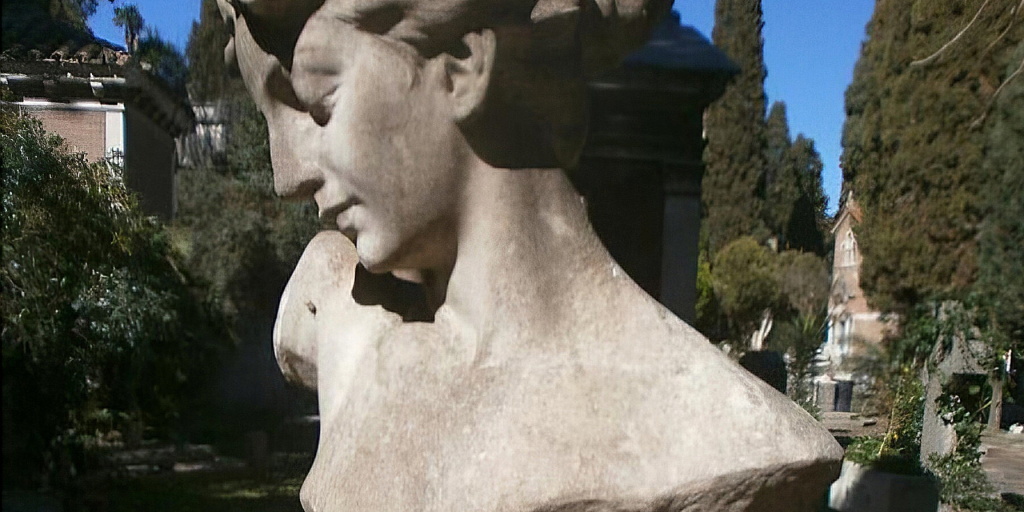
45	57
30	34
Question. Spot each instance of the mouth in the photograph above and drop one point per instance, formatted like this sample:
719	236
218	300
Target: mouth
329	217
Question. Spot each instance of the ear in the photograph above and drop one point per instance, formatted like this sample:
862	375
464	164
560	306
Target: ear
468	71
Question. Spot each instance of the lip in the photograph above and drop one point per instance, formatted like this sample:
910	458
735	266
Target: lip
329	215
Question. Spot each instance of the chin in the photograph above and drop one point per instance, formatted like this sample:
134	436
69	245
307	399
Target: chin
373	255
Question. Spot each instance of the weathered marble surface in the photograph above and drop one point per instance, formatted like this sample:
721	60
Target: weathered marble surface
532	374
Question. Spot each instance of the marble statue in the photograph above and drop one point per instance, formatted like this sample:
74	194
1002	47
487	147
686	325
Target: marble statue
473	345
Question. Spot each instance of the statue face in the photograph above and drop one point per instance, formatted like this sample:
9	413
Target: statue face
363	126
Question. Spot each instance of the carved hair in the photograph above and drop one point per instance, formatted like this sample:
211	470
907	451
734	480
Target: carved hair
535	115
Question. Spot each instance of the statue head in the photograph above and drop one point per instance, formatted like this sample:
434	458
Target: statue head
377	108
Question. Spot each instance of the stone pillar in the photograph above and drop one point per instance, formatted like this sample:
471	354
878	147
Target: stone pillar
680	238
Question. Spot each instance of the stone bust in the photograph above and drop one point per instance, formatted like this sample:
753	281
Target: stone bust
473	345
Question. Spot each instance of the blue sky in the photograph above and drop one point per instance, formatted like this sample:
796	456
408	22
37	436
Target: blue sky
810	47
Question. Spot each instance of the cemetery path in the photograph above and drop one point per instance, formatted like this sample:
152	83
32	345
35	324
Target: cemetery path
845	426
1003	460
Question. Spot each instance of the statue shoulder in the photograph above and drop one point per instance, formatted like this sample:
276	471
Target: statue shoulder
322	279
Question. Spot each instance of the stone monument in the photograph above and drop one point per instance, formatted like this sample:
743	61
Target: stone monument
472	344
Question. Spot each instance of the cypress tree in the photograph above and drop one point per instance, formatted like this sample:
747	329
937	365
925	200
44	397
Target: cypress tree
806	227
913	149
794	206
780	185
1000	258
733	187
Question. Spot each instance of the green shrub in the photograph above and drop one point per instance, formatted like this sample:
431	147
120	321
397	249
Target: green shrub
898	451
102	334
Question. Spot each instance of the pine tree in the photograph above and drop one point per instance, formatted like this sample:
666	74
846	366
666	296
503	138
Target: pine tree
913	151
733	186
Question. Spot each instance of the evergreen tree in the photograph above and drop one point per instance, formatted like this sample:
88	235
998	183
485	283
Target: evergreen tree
733	187
913	149
162	60
780	179
777	141
245	240
208	75
794	207
807	224
1001	259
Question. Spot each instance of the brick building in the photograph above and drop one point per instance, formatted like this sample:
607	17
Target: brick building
87	91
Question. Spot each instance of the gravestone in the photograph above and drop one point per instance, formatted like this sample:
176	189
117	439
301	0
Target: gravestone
529	372
947	364
844	396
768	365
825	395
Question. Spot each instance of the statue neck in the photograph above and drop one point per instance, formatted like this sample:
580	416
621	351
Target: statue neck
525	247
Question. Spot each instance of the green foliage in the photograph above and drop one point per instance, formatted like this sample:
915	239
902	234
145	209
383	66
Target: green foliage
206	41
163	60
243	239
748	279
75	12
800	317
864	450
799	337
914	153
941	323
733	185
710	319
807	226
781	189
1002	232
130	19
794	207
898	451
101	331
962	482
803	283
238	235
45	24
745	283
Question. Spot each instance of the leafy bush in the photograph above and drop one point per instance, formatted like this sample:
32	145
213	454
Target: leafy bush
102	334
962	482
898	451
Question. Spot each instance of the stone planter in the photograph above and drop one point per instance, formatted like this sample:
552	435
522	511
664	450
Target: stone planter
865	489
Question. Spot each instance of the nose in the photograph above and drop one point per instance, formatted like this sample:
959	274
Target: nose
293	156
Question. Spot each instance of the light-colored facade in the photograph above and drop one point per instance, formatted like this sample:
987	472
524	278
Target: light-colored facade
855	331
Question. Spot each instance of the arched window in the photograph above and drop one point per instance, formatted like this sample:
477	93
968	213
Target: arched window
848	247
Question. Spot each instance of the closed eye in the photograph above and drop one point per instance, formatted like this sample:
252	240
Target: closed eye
320	109
315	87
